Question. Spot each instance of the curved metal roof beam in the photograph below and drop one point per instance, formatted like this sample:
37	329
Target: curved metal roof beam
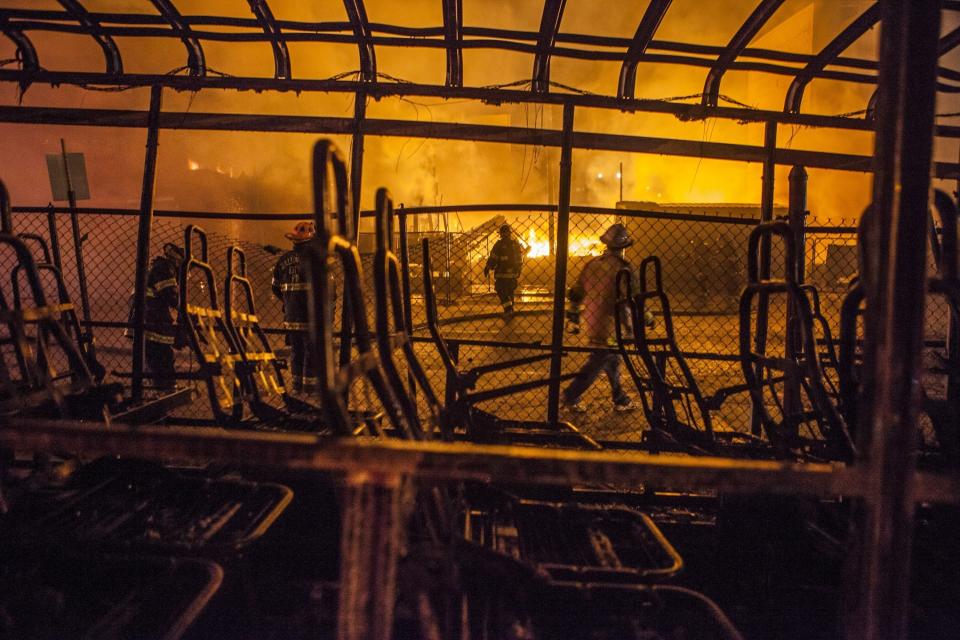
549	27
950	41
739	42
281	56
111	53
453	36
357	15
196	61
828	54
947	44
25	49
26	52
648	26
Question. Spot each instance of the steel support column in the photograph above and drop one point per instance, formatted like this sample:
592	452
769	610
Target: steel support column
797	220
356	157
878	601
766	215
404	246
560	276
369	546
143	238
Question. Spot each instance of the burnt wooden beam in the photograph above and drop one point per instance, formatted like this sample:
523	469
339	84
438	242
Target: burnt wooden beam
828	54
456	461
648	26
747	31
549	27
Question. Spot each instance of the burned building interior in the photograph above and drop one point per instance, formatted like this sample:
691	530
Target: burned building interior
479	319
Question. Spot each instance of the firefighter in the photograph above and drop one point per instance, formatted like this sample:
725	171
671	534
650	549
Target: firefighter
506	260
594	298
290	285
162	334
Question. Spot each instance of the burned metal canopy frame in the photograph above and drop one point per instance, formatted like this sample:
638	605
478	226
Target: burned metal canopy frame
884	481
452	36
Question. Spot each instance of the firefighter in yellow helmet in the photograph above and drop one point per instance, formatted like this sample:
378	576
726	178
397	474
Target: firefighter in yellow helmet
290	285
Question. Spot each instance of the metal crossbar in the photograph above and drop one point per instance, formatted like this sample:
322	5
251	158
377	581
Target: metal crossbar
452	36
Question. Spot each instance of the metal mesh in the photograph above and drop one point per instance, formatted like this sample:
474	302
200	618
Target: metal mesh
704	268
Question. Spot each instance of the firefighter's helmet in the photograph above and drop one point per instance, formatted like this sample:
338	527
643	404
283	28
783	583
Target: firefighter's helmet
173	252
616	237
302	232
505	230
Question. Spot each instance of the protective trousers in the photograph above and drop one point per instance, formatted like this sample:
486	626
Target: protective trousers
597	362
302	370
160	364
505	287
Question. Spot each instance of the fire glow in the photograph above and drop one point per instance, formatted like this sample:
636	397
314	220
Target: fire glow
579	245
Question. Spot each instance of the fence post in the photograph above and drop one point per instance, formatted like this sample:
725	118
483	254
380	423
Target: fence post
766	215
6	216
878	599
797	220
143	238
356	158
404	244
560	275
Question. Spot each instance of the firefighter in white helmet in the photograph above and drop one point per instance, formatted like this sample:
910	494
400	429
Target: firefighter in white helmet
592	300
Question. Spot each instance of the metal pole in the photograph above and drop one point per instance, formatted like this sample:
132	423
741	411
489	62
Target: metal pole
54	237
356	158
407	291
797	219
560	275
143	238
766	215
6	217
897	242
87	337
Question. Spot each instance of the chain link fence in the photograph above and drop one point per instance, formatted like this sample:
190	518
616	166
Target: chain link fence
704	258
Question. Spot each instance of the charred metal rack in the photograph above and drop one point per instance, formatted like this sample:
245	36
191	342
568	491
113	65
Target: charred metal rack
908	78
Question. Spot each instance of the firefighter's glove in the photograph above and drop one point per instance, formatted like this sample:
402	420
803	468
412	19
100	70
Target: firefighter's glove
575	297
573	320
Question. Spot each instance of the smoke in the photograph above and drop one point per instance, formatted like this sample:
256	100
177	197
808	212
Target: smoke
270	172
